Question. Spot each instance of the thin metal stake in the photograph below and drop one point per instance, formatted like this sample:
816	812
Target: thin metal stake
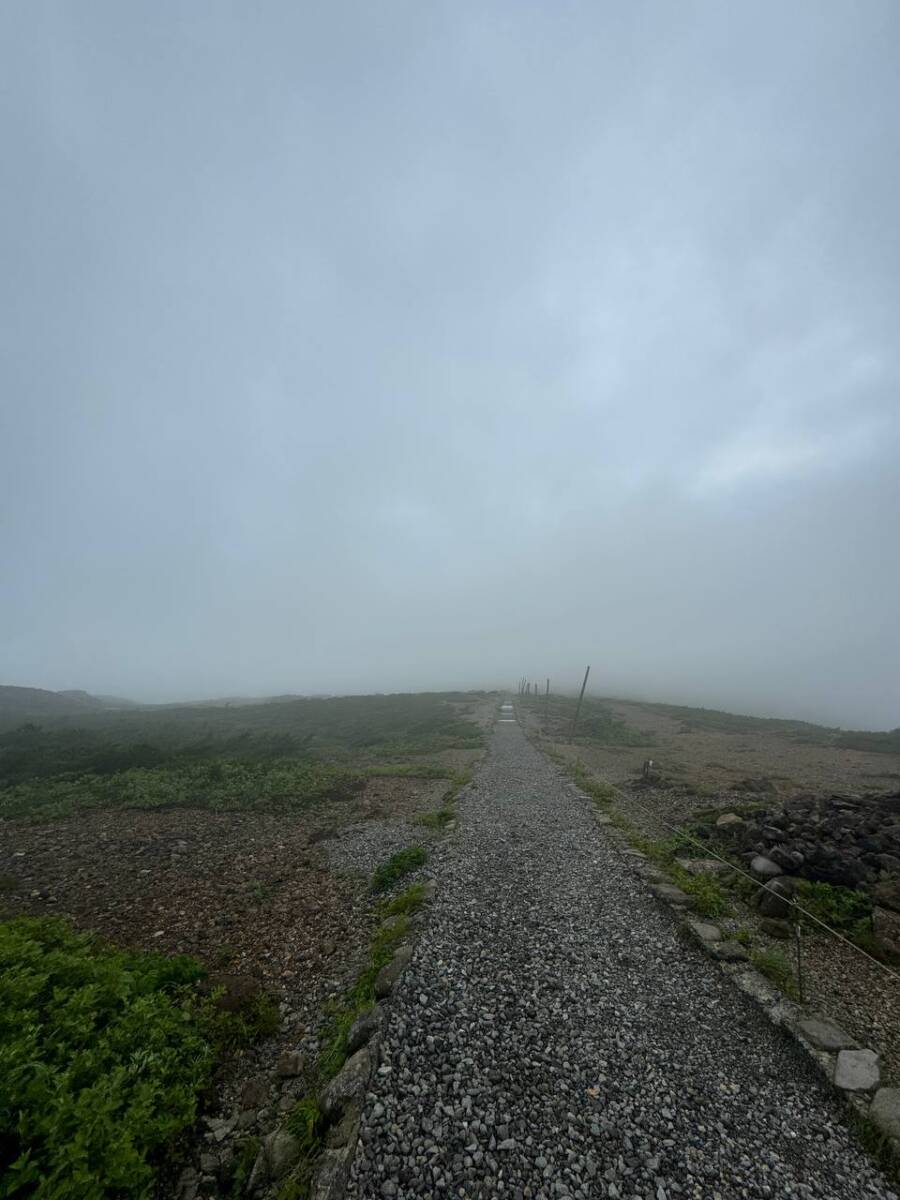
797	939
580	698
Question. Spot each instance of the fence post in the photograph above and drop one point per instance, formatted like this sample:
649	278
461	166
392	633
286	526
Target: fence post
798	941
580	698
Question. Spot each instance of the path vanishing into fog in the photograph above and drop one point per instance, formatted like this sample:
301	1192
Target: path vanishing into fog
555	1036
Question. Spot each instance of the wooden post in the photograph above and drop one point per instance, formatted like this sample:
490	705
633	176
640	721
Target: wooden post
580	698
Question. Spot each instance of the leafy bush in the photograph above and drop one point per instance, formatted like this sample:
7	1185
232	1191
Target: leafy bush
398	865
102	1056
839	907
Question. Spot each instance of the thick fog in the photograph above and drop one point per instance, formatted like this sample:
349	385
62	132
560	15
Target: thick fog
357	347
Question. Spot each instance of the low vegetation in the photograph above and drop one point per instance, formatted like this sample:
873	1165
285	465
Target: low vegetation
842	908
403	863
219	786
305	1120
103	1055
597	724
440	818
278	757
776	967
601	793
713	720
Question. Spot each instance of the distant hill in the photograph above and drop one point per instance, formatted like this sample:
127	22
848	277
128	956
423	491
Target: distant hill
20	704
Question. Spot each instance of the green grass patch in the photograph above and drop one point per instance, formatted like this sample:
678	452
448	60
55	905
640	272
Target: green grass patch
777	968
601	793
707	897
243	1167
103	1054
217	785
406	903
408	771
439	819
397	866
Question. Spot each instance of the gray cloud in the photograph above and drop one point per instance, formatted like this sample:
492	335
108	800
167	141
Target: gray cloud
371	347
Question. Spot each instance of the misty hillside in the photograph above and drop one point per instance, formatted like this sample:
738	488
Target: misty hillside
29	704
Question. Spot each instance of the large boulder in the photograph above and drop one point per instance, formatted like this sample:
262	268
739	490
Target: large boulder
885	1111
764	867
364	1028
857	1071
824	1034
389	974
773	900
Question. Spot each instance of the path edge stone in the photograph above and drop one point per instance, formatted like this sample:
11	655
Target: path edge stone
879	1108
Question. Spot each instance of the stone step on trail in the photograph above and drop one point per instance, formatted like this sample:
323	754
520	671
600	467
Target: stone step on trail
554	1036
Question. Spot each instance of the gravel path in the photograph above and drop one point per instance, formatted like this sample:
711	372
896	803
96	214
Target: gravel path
554	1036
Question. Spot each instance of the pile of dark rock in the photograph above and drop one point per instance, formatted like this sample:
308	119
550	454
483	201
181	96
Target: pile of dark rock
849	841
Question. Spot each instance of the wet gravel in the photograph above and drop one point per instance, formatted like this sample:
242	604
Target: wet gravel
555	1036
363	847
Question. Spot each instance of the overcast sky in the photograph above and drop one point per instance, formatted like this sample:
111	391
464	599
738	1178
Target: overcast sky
383	346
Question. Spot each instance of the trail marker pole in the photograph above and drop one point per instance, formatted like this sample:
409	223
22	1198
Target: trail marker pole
547	704
797	938
580	698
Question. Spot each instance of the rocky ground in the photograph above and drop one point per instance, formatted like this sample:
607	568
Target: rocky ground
263	900
555	1036
826	814
754	761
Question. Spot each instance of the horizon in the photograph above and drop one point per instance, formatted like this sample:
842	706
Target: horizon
485	687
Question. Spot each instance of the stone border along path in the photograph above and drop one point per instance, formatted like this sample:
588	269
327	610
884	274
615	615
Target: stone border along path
554	1035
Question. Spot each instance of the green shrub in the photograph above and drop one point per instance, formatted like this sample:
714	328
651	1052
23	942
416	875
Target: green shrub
398	865
840	907
102	1056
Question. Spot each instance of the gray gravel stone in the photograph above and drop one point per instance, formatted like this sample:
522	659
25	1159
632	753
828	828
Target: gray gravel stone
706	931
564	1010
885	1111
825	1034
857	1071
364	1028
765	868
670	893
387	977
